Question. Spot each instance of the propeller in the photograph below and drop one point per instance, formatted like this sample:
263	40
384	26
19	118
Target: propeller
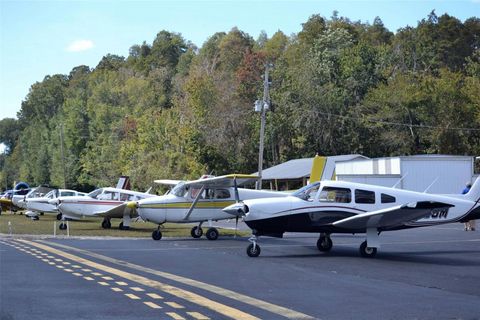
237	200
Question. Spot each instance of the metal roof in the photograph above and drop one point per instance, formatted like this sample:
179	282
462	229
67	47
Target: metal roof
299	168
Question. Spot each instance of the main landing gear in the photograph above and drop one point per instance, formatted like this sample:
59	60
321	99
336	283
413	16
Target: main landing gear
106	224
324	242
197	232
157	234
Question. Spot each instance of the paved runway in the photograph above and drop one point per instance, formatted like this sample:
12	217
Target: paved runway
427	273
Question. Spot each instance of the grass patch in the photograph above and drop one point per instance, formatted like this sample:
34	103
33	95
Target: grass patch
20	224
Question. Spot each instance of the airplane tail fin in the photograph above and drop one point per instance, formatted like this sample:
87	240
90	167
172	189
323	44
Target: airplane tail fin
318	167
474	193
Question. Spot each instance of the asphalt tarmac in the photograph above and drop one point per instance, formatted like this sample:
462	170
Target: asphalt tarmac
424	273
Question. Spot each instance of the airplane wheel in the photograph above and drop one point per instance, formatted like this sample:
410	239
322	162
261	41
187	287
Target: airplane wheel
62	226
106	224
324	244
196	232
212	234
253	251
367	252
59	216
122	227
156	235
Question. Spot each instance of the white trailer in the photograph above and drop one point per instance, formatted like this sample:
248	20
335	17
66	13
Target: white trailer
430	173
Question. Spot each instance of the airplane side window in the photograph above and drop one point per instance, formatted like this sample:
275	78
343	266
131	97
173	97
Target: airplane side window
222	194
364	196
124	197
334	194
67	194
387	198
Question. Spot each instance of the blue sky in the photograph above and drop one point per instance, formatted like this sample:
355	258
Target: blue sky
39	38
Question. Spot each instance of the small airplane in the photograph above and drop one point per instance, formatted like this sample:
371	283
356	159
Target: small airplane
198	201
328	207
104	202
41	204
20	198
6	201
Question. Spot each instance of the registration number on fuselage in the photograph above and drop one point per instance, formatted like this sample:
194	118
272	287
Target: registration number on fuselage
439	213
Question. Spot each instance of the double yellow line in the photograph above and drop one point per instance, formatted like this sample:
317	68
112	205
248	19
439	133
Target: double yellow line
172	290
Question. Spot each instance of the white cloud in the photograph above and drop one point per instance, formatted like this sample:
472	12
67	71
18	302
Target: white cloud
80	45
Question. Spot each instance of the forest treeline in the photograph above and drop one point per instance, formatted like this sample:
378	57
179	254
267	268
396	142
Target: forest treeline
173	110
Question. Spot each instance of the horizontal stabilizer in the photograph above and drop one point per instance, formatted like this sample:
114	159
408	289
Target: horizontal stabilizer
117	212
391	217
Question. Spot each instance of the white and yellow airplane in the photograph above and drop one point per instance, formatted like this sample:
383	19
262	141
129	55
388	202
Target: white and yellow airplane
198	201
329	207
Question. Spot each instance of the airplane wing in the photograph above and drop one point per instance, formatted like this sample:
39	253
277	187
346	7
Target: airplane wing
167	182
391	217
116	212
223	181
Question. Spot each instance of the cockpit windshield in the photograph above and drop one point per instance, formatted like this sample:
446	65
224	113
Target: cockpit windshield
95	193
179	189
308	192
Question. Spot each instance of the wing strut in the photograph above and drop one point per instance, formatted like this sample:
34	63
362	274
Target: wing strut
194	203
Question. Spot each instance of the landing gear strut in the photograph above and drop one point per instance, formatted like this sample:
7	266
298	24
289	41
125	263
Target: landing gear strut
324	243
157	234
367	252
253	249
106	223
197	231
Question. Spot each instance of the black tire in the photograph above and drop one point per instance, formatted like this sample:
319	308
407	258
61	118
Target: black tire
62	226
212	234
253	251
106	224
367	252
156	235
196	232
59	216
324	244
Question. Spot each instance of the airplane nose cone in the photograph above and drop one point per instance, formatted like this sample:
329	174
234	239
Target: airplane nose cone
237	209
132	205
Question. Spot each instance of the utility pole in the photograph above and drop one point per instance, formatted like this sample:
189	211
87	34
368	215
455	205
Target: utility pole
263	106
63	157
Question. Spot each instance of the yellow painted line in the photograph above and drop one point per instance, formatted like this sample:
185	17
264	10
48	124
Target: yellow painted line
172	290
96	274
257	303
154	296
175	305
88	278
117	289
121	283
132	296
107	278
137	289
152	305
77	274
103	283
197	315
175	316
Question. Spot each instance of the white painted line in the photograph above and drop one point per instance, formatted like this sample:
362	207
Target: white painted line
152	305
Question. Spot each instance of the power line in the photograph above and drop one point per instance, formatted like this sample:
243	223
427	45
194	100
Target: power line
422	126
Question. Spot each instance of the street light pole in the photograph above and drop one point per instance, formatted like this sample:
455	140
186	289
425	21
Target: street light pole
263	106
